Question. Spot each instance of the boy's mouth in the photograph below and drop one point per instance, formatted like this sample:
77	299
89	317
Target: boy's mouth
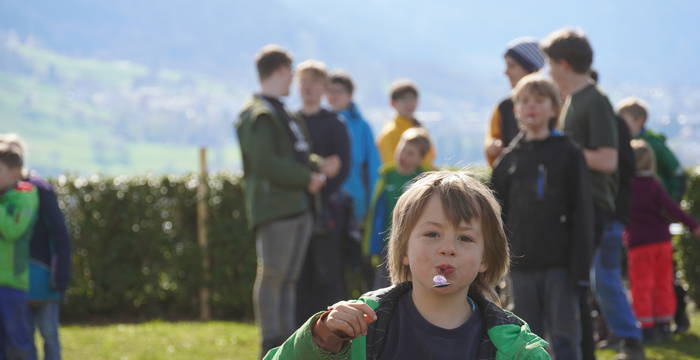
445	269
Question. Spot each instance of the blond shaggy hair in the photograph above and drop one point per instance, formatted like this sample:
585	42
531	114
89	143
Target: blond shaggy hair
463	198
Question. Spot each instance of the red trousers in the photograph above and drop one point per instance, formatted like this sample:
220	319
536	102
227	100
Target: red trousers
650	269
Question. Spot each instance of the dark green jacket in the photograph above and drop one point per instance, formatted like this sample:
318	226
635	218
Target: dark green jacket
274	181
668	168
18	212
505	335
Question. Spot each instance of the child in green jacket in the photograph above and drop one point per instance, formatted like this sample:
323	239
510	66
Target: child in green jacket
447	250
410	153
19	202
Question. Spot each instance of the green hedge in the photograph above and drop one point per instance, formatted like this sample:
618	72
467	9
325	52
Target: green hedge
136	255
135	252
688	247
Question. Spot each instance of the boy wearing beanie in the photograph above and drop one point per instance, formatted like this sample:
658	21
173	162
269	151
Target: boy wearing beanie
522	57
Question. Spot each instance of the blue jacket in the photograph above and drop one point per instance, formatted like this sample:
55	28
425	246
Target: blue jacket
49	270
365	163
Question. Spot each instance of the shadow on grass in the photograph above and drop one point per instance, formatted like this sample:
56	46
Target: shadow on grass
687	344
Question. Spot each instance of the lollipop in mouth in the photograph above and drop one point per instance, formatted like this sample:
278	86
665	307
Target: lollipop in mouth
440	281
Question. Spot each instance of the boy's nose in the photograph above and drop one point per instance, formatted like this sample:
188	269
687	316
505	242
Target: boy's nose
447	249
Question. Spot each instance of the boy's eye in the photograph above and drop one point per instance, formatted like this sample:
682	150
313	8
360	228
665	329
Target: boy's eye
431	234
465	238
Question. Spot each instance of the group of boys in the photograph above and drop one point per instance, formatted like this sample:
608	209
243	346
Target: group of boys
310	177
34	258
311	174
565	195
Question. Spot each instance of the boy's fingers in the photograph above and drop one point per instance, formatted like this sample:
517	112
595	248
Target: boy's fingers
344	318
370	315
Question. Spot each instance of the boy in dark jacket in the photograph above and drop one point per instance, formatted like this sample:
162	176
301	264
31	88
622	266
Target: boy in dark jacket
49	269
542	182
321	280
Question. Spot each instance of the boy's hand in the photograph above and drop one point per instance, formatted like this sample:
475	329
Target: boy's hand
316	183
342	322
348	320
495	148
331	166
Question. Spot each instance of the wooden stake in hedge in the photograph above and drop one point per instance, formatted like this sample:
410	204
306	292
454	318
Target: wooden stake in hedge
202	220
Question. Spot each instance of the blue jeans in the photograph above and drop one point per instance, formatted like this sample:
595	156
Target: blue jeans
606	281
45	317
16	342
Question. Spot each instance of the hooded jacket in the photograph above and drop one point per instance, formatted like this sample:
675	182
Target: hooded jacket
545	191
505	335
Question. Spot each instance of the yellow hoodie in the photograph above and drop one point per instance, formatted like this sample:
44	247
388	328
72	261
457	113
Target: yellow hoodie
389	139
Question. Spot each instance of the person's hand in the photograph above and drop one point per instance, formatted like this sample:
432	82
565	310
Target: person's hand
495	148
348	320
696	232
331	166
316	183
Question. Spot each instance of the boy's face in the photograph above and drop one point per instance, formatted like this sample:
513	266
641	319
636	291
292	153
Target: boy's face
284	76
435	247
408	157
635	124
558	70
514	71
533	111
338	96
405	105
311	88
8	176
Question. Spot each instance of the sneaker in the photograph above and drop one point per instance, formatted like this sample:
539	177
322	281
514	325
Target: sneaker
632	349
663	331
611	342
650	335
682	324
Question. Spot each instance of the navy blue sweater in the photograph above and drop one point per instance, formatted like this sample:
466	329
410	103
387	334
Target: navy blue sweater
50	243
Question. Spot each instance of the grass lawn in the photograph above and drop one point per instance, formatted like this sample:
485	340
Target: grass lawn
230	340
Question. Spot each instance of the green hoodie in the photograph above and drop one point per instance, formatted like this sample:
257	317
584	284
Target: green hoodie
274	181
507	336
668	168
18	212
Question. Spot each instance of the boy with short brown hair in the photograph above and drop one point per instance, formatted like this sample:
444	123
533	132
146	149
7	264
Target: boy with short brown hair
635	113
404	99
280	176
589	120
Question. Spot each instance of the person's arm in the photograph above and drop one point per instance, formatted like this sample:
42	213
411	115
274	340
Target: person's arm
602	159
17	213
674	211
301	345
601	150
580	206
384	145
280	171
60	240
341	144
500	184
373	160
493	146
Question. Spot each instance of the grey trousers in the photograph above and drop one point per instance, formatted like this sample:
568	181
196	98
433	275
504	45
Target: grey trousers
281	246
548	301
